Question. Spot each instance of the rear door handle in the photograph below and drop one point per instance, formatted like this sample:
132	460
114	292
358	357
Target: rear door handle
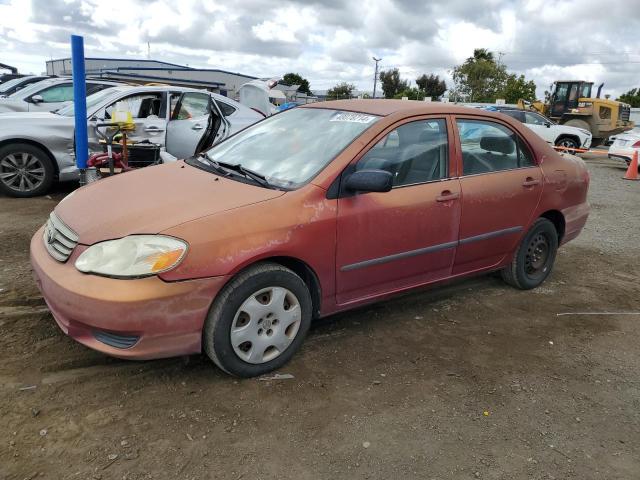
530	182
447	196
197	126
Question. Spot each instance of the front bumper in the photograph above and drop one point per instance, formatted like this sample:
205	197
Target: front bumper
141	319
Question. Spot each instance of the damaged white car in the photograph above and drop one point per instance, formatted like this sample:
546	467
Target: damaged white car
37	149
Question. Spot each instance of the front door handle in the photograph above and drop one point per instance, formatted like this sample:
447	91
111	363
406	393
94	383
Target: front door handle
530	182
447	196
197	126
153	129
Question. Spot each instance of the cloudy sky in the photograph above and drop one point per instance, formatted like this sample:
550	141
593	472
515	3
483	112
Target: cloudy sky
332	41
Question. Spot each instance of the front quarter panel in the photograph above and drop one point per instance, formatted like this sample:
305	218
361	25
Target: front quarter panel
299	224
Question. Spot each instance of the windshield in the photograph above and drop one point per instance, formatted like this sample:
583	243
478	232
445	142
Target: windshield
92	101
292	147
11	83
33	88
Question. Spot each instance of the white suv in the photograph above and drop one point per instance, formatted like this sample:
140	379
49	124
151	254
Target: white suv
560	135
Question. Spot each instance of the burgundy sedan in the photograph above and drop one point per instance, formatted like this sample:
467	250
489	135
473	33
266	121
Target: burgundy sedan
307	213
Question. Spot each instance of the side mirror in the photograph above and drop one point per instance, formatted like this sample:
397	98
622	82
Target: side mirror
547	124
37	99
369	181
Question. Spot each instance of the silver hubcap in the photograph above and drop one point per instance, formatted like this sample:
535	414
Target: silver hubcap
22	172
265	325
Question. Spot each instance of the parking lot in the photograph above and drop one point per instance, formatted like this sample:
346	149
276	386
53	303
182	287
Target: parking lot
470	380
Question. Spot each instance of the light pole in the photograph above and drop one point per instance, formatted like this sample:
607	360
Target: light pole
375	76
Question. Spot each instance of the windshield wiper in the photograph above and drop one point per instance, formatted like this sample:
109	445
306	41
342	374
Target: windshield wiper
238	168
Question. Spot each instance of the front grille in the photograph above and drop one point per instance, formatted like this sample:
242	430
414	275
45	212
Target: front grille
116	340
59	240
624	113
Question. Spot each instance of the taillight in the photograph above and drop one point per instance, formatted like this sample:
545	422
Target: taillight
636	145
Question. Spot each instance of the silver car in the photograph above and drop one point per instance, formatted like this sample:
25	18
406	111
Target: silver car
37	149
12	86
48	95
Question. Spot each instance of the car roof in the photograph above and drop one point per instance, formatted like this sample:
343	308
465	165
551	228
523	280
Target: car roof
383	107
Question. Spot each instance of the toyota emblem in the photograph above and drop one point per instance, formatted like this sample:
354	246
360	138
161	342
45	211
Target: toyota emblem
51	236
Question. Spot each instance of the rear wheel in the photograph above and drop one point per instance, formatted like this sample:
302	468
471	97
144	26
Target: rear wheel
258	321
25	170
534	259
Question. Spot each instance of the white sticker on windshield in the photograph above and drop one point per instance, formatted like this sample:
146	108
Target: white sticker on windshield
352	117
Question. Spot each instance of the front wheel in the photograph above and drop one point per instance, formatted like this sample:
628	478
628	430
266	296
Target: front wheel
258	321
534	259
25	170
569	145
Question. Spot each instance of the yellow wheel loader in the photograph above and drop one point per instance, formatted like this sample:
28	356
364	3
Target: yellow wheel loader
571	104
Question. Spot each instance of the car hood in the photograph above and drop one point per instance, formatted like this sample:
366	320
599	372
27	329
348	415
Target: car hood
575	130
11	105
153	199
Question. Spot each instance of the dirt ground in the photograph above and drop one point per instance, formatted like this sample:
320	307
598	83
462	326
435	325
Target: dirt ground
471	380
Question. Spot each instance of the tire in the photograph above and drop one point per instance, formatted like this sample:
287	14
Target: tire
569	143
528	270
244	334
25	170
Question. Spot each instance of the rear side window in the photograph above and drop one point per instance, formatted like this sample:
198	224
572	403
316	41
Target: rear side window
414	153
225	108
490	147
514	114
192	105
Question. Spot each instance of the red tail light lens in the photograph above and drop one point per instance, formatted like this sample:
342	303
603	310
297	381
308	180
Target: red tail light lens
636	145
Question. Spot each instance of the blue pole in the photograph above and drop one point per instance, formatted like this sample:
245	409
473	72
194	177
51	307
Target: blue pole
80	104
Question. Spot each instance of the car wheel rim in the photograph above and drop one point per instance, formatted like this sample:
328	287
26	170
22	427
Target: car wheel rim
22	172
568	144
266	324
537	255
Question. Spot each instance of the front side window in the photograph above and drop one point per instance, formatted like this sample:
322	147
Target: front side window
413	153
490	147
534	119
292	147
58	93
143	105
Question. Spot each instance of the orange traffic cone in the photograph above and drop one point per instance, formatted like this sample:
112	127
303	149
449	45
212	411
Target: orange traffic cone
632	171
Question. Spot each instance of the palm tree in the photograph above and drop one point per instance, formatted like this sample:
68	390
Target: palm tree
483	54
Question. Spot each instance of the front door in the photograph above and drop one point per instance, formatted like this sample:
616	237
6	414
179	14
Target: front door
405	237
564	98
148	113
51	98
501	185
189	123
541	126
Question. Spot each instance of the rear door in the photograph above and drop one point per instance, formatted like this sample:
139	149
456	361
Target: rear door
501	185
405	237
189	123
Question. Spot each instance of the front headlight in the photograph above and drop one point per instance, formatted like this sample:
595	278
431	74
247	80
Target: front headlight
133	256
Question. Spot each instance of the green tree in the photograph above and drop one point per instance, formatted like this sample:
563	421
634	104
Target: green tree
411	94
431	85
391	82
517	87
296	79
632	97
341	90
481	79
